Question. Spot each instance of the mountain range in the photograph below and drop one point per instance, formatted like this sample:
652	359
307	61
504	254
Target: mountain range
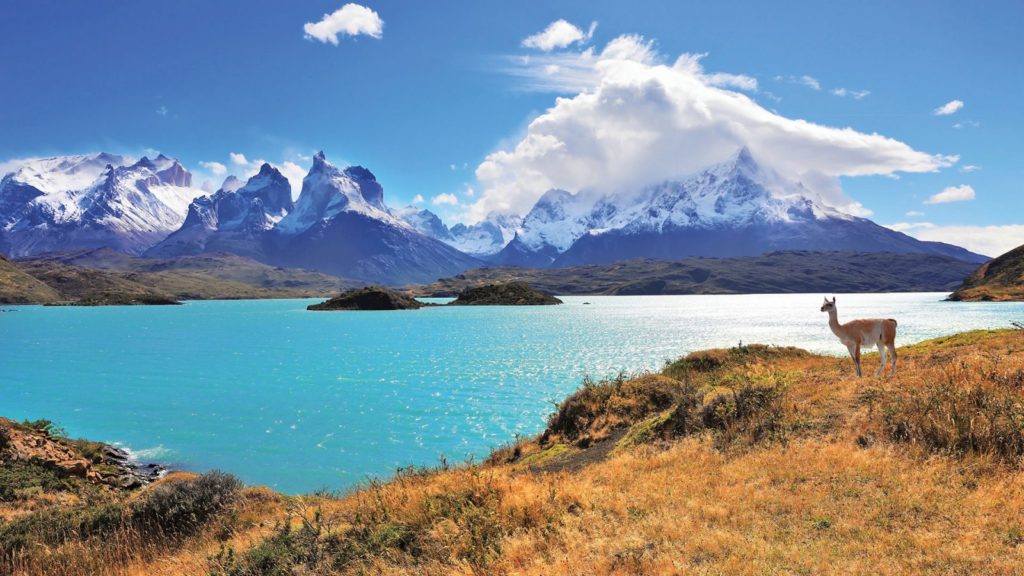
736	208
339	222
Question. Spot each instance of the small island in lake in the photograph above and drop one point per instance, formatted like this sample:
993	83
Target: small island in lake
510	294
369	298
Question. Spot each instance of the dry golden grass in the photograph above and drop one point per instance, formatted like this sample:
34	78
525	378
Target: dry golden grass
753	460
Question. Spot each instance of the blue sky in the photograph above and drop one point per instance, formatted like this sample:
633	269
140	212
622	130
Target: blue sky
424	104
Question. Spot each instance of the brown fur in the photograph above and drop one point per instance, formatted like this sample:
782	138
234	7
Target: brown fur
877	332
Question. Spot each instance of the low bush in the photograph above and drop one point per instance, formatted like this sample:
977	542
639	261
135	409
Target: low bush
18	476
180	507
960	409
599	407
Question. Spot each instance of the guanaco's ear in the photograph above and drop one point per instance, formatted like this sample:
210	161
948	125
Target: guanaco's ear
833	299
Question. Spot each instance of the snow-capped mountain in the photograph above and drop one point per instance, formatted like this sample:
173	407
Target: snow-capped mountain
60	203
339	225
736	208
233	219
482	240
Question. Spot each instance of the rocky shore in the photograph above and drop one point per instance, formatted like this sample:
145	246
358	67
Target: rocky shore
41	444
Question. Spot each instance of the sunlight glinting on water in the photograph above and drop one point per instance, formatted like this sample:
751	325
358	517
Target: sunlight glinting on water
302	400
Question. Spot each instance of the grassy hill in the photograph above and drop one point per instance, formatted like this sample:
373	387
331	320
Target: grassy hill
20	287
104	276
750	460
776	272
1001	279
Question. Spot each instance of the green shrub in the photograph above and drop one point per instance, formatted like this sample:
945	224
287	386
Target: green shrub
16	476
181	507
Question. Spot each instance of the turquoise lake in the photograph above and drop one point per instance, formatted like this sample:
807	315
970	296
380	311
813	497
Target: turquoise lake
303	400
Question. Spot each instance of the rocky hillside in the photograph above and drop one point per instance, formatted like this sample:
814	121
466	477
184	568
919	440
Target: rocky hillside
748	460
1001	279
103	276
20	287
777	272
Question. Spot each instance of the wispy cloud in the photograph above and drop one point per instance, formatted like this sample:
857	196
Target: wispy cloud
215	168
987	240
855	94
967	124
961	193
161	111
948	108
915	214
968	168
804	80
238	159
559	34
417	199
349	20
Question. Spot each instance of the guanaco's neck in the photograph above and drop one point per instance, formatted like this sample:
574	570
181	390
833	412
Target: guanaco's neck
833	320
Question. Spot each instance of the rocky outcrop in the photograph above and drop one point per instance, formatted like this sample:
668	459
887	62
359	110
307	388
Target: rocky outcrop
94	461
511	294
369	298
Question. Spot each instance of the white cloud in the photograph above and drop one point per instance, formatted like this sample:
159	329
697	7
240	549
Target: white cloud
809	81
294	173
449	199
417	199
469	191
948	108
559	34
967	124
215	168
805	80
635	120
162	111
238	159
349	20
915	214
968	168
986	240
855	94
960	193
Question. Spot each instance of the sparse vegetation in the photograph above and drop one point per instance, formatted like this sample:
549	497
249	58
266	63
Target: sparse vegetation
746	460
998	280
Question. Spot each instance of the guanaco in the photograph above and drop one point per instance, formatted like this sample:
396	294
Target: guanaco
854	334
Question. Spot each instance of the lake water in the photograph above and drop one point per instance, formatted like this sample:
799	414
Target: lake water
304	400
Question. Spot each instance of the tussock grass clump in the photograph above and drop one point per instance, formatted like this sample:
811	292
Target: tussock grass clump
457	518
108	530
960	408
715	359
181	507
600	407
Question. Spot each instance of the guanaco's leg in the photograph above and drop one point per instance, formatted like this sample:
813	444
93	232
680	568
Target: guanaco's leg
881	359
892	352
855	355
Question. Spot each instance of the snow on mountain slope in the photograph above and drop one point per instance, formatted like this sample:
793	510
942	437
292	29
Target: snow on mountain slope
328	191
482	239
90	201
232	219
734	208
485	238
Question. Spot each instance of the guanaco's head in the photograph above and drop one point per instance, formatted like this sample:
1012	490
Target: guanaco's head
827	306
